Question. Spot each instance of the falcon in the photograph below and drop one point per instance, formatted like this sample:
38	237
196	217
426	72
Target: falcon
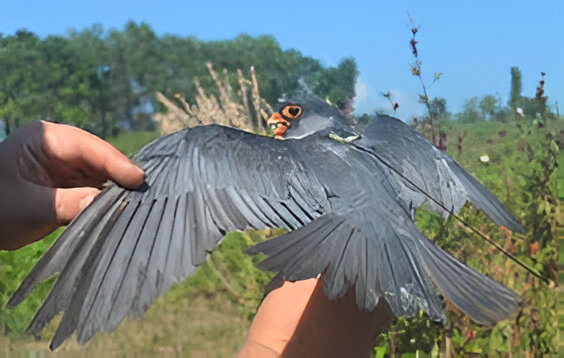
346	199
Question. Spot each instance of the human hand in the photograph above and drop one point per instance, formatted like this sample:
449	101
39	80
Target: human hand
298	320
49	173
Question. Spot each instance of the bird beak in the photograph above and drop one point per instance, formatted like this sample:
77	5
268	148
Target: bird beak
278	125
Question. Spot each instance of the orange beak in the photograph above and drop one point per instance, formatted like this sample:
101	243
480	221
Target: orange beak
278	125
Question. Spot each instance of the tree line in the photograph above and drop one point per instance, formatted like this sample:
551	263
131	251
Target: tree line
491	107
102	80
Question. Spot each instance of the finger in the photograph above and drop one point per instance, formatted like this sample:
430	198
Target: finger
84	150
70	202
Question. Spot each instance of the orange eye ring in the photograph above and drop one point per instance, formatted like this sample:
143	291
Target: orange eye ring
291	111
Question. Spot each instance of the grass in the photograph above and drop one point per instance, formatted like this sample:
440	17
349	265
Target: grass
130	142
561	174
560	232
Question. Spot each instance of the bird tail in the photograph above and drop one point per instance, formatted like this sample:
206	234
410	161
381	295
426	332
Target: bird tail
402	266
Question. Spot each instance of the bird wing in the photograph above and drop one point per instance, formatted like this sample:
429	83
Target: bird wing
128	247
425	174
369	241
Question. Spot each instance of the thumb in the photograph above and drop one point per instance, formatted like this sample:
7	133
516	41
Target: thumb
70	202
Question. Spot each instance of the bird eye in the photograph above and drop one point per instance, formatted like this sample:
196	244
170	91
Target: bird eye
291	111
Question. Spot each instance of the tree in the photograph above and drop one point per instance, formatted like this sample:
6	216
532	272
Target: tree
337	84
489	106
471	112
438	107
515	93
20	62
100	79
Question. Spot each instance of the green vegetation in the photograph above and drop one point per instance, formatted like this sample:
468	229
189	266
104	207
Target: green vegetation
515	173
14	266
130	142
97	79
561	175
513	151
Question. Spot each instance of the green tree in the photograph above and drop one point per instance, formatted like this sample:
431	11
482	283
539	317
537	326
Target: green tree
93	50
489	106
20	87
438	107
337	83
515	92
96	79
471	112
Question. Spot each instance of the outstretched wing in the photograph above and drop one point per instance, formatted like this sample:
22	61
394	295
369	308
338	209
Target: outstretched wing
394	143
369	241
128	247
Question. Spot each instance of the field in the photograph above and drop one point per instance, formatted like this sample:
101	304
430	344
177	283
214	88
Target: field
208	314
561	175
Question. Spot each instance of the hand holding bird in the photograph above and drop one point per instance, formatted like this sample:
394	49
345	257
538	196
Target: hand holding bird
347	206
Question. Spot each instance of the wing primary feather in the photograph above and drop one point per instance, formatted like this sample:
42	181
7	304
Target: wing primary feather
139	304
247	213
138	240
217	202
237	210
60	294
168	262
157	259
81	296
292	211
302	205
186	265
89	296
174	267
269	213
60	252
136	258
253	206
279	211
206	231
178	234
159	183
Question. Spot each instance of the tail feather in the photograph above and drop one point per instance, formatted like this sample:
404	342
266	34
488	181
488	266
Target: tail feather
481	298
402	266
297	257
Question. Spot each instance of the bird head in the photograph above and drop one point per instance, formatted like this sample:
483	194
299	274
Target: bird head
305	116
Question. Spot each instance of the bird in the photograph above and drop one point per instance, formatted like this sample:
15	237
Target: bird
345	197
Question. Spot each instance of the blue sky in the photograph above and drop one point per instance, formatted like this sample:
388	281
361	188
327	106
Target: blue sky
473	43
